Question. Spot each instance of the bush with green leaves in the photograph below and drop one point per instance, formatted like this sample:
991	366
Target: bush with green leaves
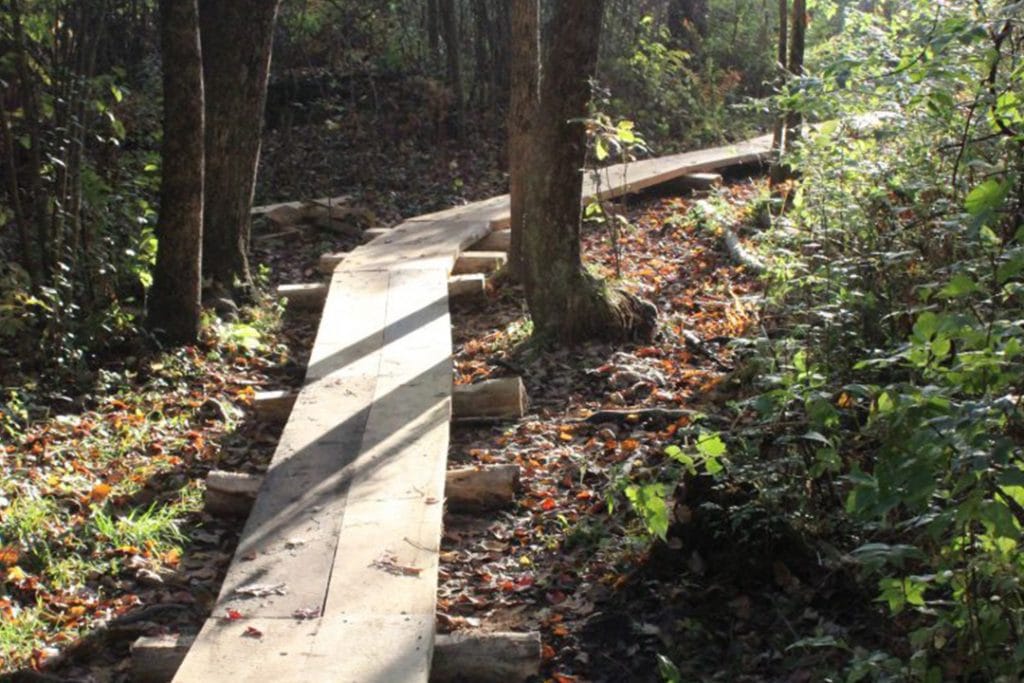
899	277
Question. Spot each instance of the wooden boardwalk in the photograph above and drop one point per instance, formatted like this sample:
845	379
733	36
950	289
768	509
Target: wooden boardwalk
336	573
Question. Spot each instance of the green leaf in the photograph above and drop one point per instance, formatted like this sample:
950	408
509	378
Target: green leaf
960	285
987	197
668	671
649	502
600	150
711	445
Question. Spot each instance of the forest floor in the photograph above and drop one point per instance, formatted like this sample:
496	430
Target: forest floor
103	536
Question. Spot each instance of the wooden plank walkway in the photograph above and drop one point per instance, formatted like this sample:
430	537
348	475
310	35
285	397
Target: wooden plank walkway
335	576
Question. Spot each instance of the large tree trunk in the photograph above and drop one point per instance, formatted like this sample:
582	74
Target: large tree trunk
237	38
523	102
174	304
688	22
566	304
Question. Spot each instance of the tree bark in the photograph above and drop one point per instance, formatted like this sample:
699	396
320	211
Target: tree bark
174	303
453	63
688	22
524	73
796	65
566	304
237	39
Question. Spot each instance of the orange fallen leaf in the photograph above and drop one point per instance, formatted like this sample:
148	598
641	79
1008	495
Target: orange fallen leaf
99	492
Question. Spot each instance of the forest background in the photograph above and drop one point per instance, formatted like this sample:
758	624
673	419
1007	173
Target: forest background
877	411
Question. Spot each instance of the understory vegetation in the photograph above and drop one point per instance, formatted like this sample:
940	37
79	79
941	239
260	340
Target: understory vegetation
814	472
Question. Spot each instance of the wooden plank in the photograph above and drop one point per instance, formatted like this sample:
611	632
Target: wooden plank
472	286
417	245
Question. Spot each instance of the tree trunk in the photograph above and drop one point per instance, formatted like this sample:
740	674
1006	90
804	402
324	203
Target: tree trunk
523	101
453	67
568	305
688	22
796	65
174	304
237	38
777	173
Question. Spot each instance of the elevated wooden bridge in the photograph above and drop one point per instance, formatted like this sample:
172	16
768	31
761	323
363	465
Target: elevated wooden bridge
335	576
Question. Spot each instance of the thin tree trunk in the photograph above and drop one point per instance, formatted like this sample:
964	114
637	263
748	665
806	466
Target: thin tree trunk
237	38
777	173
796	65
453	67
523	102
566	304
174	304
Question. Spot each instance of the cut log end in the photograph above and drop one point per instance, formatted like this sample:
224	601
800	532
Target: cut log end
493	399
274	406
479	262
306	297
470	489
230	494
466	288
498	240
486	657
155	659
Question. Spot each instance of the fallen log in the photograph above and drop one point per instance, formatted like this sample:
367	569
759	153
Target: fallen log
467	489
306	296
493	399
479	262
483	657
486	657
741	254
499	240
637	415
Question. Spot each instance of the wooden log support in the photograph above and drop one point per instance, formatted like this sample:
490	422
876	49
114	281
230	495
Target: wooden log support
155	659
231	494
371	234
483	657
471	489
700	182
274	406
493	399
305	297
467	489
471	287
486	657
328	262
499	240
479	262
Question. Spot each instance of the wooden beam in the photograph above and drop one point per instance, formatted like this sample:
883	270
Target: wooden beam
470	489
499	240
493	399
231	494
467	489
370	234
470	287
274	406
328	262
306	296
483	657
479	262
700	182
486	657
